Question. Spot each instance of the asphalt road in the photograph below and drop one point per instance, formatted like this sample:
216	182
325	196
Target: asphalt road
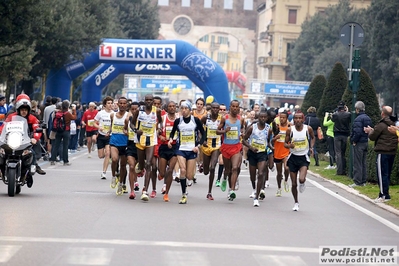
72	217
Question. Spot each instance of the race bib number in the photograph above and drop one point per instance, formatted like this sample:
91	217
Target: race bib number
212	132
300	144
131	135
106	128
282	136
168	130
232	134
147	129
15	126
187	138
259	144
90	123
117	129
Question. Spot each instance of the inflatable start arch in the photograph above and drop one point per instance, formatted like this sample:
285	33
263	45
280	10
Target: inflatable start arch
132	57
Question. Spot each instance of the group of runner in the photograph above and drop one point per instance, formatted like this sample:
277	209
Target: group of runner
180	137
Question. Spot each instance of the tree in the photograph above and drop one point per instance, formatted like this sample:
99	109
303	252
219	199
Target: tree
332	94
319	35
312	97
367	95
383	48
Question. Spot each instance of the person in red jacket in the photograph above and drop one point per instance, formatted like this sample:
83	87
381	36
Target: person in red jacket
23	107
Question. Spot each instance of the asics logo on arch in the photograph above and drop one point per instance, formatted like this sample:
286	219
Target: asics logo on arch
163	67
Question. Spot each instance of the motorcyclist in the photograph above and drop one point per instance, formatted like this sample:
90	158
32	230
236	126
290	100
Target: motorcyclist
23	108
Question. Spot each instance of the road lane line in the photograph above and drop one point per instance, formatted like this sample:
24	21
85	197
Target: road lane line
357	207
158	243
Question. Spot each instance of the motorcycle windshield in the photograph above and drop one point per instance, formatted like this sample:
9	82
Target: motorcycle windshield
18	125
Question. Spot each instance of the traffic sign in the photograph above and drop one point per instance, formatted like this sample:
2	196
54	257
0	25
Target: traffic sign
358	34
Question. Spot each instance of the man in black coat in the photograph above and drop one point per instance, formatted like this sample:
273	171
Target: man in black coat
359	140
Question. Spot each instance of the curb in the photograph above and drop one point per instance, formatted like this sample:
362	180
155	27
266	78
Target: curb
357	193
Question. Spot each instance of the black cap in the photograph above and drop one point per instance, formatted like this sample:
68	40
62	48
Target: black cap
341	103
2	97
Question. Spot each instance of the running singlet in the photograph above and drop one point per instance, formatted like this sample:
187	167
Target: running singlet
104	121
167	128
213	140
280	152
187	134
258	138
300	139
148	124
233	136
118	138
131	135
199	116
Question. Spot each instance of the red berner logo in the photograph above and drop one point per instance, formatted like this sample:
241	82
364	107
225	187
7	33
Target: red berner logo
105	51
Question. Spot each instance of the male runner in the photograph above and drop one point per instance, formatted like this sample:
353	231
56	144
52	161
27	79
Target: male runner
211	151
118	143
231	126
131	151
102	121
88	123
188	128
258	135
279	151
146	120
297	140
167	156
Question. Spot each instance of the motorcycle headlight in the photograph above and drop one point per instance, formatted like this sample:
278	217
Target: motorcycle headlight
14	140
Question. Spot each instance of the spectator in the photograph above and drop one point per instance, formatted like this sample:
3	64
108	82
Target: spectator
342	120
385	147
63	136
359	140
313	121
327	122
3	109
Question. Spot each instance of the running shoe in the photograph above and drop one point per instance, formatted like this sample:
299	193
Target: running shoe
136	186
89	156
262	195
381	200
237	187
163	190
144	196
114	182
183	200
124	188
273	169
166	198
253	194
177	179
296	207
104	176
93	147
267	184
209	196
256	203
189	183
278	193
286	186
141	174
153	194
201	168
223	185
195	180
137	169
119	191
232	195
132	195
302	187
217	183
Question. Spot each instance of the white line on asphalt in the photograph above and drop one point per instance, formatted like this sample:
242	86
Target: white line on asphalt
158	243
357	207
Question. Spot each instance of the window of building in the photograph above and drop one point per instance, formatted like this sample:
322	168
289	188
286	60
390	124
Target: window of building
248	4
208	3
289	47
163	2
228	4
185	3
205	38
213	39
292	16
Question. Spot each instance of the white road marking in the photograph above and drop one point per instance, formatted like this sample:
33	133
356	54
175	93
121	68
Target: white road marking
7	251
88	256
279	260
158	243
357	207
182	258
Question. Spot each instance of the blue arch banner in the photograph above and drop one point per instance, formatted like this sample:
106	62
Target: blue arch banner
181	57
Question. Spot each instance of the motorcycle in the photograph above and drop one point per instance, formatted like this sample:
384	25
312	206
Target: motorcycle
16	154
